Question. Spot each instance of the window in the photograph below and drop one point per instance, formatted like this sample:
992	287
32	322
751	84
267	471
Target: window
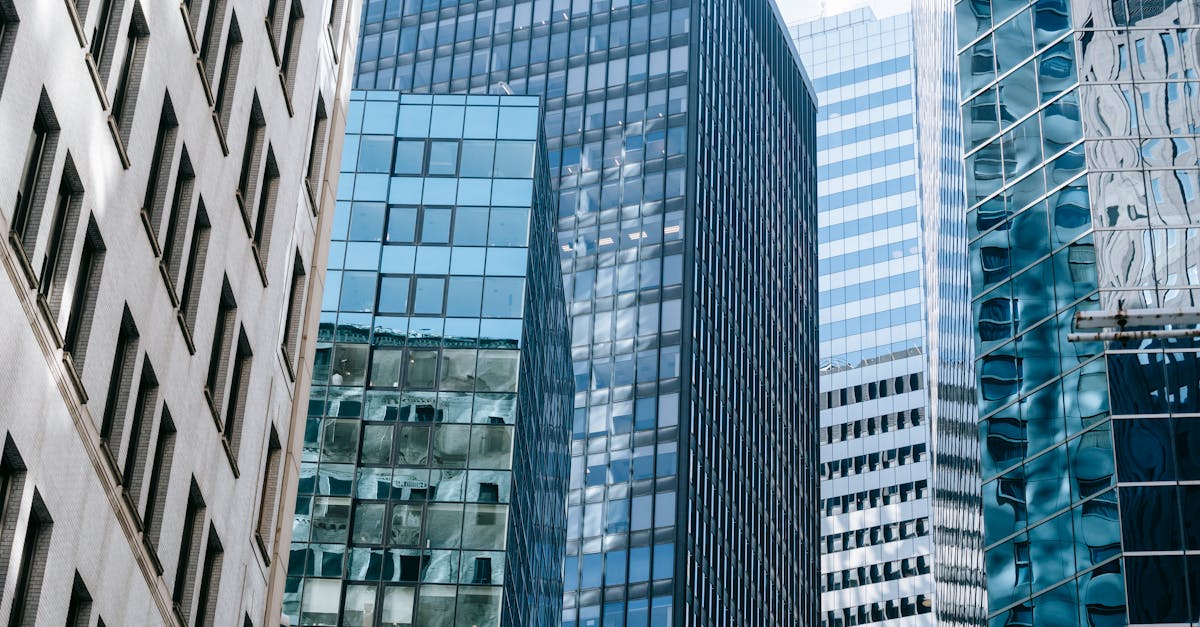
335	25
221	347
189	293
83	297
79	610
138	449
112	427
12	486
8	36
183	593
264	217
295	313
160	171
239	385
316	154
270	494
63	224
177	217
104	38
251	152
160	478
291	47
274	22
223	99
35	174
28	589
210	580
213	15
129	81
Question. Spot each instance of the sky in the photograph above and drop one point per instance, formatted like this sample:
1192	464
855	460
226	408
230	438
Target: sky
799	10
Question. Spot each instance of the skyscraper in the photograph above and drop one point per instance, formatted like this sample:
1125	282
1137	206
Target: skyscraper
1079	125
436	456
165	186
679	137
881	264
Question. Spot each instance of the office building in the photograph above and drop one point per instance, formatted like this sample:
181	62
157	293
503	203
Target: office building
437	452
1080	152
165	191
879	345
679	140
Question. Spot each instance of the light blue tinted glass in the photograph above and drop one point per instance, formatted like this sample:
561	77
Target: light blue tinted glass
512	192
414	121
503	297
433	260
480	122
477	158
406	190
639	564
447	121
427	298
474	191
367	222
371	187
398	259
393	294
664	564
509	227
379	118
467	260
443	158
518	123
375	153
470	226
402	225
464	296
358	291
514	159
507	261
410	157
362	256
440	191
435	226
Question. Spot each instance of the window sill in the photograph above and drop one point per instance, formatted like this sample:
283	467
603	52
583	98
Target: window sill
115	131
231	456
262	549
75	377
260	263
333	42
271	40
165	273
287	364
152	553
187	334
216	118
18	248
148	227
76	22
287	94
241	205
97	81
131	502
111	460
212	408
311	188
204	82
48	317
187	27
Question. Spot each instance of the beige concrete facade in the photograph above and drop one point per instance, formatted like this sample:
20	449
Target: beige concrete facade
141	243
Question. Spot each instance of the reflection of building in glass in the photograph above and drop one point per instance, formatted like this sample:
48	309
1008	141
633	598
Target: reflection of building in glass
886	362
1080	123
435	459
679	136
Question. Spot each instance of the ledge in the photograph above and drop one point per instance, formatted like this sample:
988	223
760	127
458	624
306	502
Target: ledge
150	234
116	136
74	376
187	334
231	456
18	248
48	318
165	273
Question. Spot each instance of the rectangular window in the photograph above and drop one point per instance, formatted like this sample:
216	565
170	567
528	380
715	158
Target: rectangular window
112	427
239	386
155	195
270	494
295	313
140	425
35	177
64	223
160	479
274	22
222	345
251	153
130	77
189	292
335	25
104	39
291	46
264	217
83	297
12	487
184	592
316	155
213	16
8	36
177	217
223	98
79	609
28	589
210	581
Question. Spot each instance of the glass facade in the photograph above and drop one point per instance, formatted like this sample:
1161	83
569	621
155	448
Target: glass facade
1080	121
888	273
679	239
436	450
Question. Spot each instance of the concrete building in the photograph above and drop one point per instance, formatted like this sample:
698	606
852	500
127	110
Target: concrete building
680	140
1080	124
166	186
435	462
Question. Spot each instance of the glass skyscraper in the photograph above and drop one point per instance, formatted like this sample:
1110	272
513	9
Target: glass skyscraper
680	140
436	451
887	363
1080	122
